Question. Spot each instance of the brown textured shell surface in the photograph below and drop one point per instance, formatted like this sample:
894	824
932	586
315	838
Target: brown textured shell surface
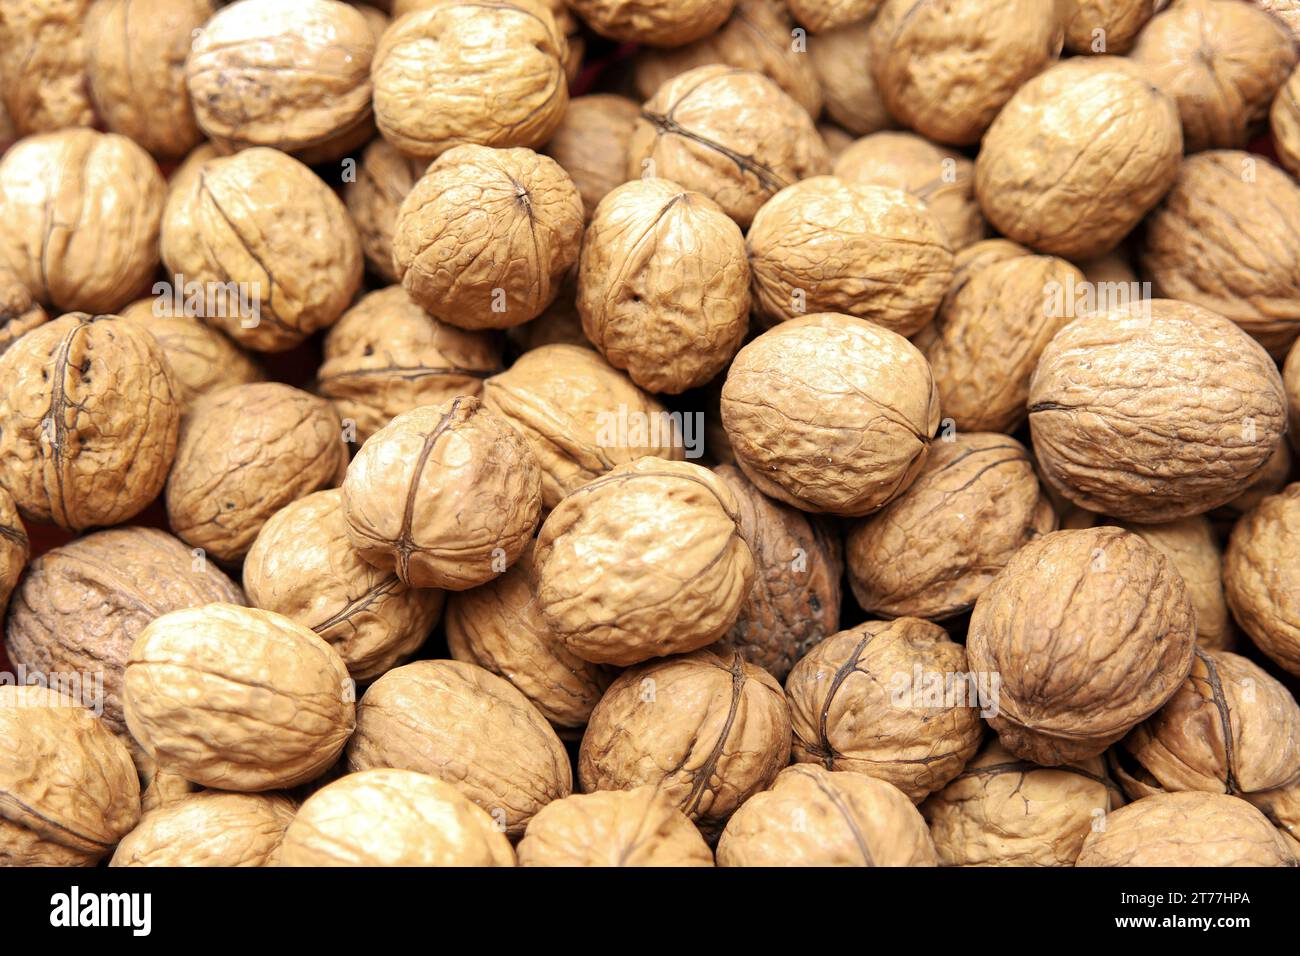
469	728
19	310
1291	382
728	133
1269	480
830	413
707	731
484	238
932	551
1261	582
1155	411
1288	11
209	829
663	285
851	96
1091	631
1107	26
1078	156
15	548
644	561
68	789
384	177
665	23
819	15
244	453
591	144
1284	121
88	421
43	64
814	817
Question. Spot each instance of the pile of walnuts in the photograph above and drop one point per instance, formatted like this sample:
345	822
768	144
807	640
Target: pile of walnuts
689	433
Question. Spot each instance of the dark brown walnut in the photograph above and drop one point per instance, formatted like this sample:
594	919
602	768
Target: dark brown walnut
499	626
1091	632
890	699
88	421
987	339
826	245
1269	481
15	549
1003	811
1284	121
82	212
932	551
209	829
591	144
707	731
1187	829
198	679
841	59
444	496
663	285
135	66
19	311
1107	26
1224	238
644	561
794	601
1154	412
1078	156
731	134
460	72
263	230
945	69
469	728
638	827
566	401
1221	61
1260	581
386	356
819	15
81	606
384	177
302	565
813	817
666	23
43	64
830	413
485	237
68	789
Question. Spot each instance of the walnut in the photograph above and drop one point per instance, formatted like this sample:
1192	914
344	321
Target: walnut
43	64
19	311
1260	583
663	23
386	356
15	549
1187	829
852	98
591	144
485	237
1106	26
88	421
384	177
707	731
209	829
813	817
837	139
819	15
730	134
1078	156
1282	807
444	496
663	285
1271	479
392	818
82	212
511	52
638	827
160	788
1002	811
137	76
68	788
1155	411
1288	11
559	324
830	413
472	729
1284	121
1091	632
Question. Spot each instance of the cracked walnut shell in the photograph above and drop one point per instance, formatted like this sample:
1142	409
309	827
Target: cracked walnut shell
666	23
638	827
591	144
1261	580
209	829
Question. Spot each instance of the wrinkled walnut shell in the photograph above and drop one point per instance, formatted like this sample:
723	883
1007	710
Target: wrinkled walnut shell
818	15
662	23
43	64
1259	578
841	58
638	827
19	311
591	144
1107	26
384	178
15	548
209	829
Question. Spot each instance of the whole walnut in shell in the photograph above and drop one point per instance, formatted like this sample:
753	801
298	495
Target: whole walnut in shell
384	177
1078	156
591	144
830	413
68	789
244	453
662	23
209	829
392	818
15	548
1091	631
19	311
730	134
707	731
1107	26
813	817
1284	121
469	728
852	98
88	421
1261	581
1271	479
663	285
1155	411
445	496
819	15
638	827
43	64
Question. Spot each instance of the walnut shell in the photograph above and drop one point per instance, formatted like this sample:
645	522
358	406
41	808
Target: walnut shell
88	421
662	23
209	829
1271	479
392	818
830	413
1282	807
384	177
68	789
43	64
819	15
1158	411
1107	26
591	144
19	311
706	731
638	827
15	549
1284	120
852	98
1288	11
1078	156
472	729
445	496
731	134
1091	632
813	817
559	323
1260	581
244	453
